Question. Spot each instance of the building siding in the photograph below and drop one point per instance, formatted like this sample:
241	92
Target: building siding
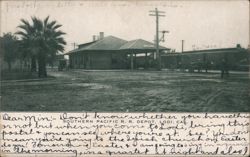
98	60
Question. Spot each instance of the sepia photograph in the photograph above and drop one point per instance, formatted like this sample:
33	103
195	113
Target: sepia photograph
124	78
125	56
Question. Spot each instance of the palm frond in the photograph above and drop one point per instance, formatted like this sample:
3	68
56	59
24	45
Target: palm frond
51	24
59	33
25	22
23	34
61	41
37	24
24	27
46	21
57	26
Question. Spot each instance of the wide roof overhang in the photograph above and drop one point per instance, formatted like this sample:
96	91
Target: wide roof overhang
114	44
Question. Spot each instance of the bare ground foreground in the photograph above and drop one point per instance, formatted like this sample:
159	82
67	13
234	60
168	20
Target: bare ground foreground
128	91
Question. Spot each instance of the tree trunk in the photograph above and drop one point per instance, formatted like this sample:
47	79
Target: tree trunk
33	64
42	66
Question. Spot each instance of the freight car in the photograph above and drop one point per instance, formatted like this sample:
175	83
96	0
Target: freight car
211	59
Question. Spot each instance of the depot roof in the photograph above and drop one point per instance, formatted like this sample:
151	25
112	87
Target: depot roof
112	43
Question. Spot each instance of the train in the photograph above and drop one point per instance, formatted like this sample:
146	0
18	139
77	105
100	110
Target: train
212	59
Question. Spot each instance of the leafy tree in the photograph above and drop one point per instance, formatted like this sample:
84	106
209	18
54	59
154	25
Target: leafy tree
41	39
9	47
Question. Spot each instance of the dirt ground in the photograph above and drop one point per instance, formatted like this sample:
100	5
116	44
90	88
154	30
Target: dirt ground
128	91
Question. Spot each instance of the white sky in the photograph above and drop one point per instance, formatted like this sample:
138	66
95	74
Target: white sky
201	23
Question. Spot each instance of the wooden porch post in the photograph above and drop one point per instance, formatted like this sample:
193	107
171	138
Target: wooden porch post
146	61
135	66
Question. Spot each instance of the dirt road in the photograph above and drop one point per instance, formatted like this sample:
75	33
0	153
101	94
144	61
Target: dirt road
128	91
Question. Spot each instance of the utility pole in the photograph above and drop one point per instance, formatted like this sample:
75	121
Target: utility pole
157	14
74	44
182	46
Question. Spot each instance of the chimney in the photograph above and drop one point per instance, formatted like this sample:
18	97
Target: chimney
101	35
182	46
238	46
94	38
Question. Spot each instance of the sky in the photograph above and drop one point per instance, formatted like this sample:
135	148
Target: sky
201	24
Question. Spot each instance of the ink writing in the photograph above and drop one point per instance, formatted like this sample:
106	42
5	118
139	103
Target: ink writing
113	134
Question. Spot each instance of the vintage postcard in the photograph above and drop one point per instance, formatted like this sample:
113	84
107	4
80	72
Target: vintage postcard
124	78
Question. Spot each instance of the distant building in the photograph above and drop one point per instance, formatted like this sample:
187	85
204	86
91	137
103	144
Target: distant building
210	59
109	53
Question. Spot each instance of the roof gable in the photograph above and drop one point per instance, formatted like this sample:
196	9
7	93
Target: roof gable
139	44
86	44
107	43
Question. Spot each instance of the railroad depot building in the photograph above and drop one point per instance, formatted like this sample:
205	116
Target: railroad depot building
111	53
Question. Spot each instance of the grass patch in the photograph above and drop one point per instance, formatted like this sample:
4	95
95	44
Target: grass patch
17	75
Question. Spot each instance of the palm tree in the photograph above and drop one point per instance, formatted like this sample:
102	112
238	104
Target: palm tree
41	39
27	46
